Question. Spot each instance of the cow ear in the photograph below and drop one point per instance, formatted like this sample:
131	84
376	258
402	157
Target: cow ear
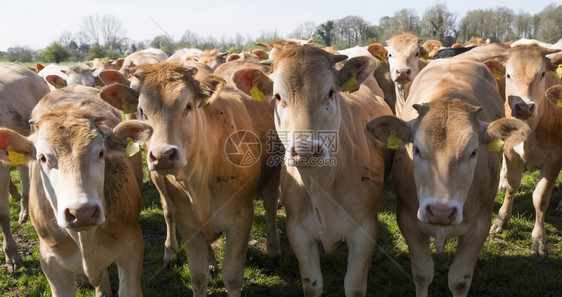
118	63
126	137
354	72
253	82
389	130
503	134
496	67
121	97
39	67
56	81
554	94
233	57
113	76
15	149
209	89
378	51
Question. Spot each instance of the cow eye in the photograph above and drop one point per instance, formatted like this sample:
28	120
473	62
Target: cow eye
389	55
331	93
417	151
143	115
508	76
474	153
278	97
417	54
42	158
101	155
543	73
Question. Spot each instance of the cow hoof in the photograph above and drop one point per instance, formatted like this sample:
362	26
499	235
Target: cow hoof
538	250
213	271
559	209
540	256
497	227
13	266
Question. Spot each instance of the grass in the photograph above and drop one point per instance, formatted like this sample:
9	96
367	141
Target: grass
505	267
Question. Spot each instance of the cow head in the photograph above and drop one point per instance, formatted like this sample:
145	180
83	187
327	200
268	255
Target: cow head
71	149
172	101
305	87
404	55
526	71
75	75
446	141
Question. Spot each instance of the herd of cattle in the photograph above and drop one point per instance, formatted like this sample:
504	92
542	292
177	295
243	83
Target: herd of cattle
439	126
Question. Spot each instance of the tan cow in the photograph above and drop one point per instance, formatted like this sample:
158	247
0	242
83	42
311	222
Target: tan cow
444	176
528	74
333	172
147	56
406	58
84	203
58	76
20	90
213	140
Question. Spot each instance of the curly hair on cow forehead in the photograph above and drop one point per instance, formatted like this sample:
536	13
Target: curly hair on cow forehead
164	75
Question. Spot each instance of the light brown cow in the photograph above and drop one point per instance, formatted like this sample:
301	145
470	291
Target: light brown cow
185	54
147	56
333	172
84	202
406	60
213	140
61	76
528	73
20	90
445	179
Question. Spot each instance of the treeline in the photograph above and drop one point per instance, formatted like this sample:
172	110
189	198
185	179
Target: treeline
104	36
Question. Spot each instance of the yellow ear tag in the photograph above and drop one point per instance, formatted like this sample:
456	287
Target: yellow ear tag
128	107
59	86
132	148
16	159
351	86
559	102
205	102
393	142
380	56
427	55
558	72
99	83
497	74
495	145
256	93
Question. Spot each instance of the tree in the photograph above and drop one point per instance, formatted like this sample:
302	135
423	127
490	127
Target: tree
324	31
523	25
97	51
104	30
548	26
65	38
304	31
56	53
437	23
404	20
164	43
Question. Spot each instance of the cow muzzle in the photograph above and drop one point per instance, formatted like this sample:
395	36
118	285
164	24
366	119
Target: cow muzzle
440	213
522	109
83	216
165	158
307	153
403	74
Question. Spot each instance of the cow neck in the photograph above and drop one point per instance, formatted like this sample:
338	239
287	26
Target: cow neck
85	240
401	96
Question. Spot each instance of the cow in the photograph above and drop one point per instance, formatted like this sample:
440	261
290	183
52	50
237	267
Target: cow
445	171
84	201
450	52
406	58
213	58
185	54
147	56
528	74
61	76
330	188
20	90
213	140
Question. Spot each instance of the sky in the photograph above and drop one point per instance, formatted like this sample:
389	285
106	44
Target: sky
37	23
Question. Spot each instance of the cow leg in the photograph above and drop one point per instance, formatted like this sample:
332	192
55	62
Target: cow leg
306	250
13	259
14	192
420	254
361	246
541	199
130	265
104	288
468	250
237	238
24	178
503	175
196	248
270	203
171	243
60	279
514	167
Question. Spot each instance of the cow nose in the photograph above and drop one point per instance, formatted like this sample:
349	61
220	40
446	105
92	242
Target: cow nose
441	214
403	73
163	157
304	153
84	215
522	110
